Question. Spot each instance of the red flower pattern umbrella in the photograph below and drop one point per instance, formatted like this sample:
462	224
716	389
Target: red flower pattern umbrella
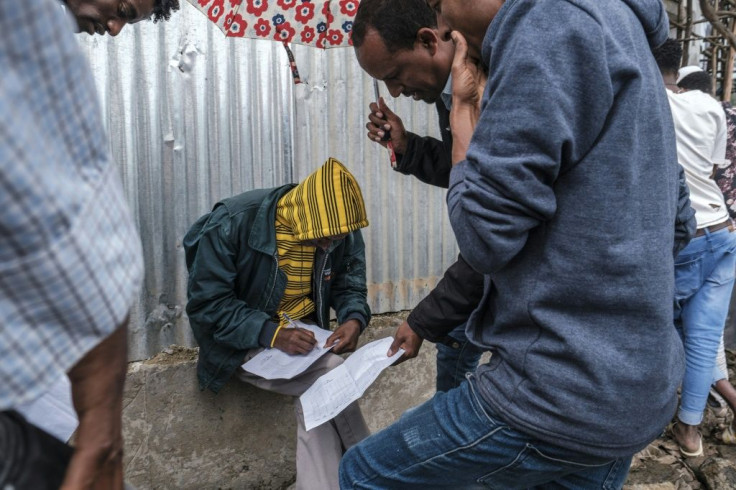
319	23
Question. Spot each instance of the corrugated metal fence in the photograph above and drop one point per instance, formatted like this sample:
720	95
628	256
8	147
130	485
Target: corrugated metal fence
194	117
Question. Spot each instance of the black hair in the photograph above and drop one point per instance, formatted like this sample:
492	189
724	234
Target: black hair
163	8
396	21
668	56
698	80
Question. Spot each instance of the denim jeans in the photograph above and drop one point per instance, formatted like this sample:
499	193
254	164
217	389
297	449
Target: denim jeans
454	441
454	361
704	275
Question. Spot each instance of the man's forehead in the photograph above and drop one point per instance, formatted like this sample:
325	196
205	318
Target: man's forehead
373	50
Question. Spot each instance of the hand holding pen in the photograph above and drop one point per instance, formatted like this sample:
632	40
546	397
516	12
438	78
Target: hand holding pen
383	123
292	339
386	133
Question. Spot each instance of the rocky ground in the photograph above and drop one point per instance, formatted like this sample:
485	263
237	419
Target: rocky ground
661	467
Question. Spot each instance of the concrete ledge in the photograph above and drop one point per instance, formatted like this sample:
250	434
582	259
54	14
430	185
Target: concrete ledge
179	437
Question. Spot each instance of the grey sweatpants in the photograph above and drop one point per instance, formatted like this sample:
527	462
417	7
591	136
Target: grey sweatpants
318	451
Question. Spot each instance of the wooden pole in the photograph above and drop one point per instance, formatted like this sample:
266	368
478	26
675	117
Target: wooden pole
688	32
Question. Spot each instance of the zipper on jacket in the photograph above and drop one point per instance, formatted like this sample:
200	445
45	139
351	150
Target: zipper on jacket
318	282
275	276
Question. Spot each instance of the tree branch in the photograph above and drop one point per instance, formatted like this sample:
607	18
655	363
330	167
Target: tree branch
709	12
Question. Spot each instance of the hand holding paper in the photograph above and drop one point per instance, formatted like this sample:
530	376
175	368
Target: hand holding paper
407	340
337	389
345	337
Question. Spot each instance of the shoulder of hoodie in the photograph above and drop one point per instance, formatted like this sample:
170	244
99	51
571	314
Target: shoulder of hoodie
251	199
563	14
242	206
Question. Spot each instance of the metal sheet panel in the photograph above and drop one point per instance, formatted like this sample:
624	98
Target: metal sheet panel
194	117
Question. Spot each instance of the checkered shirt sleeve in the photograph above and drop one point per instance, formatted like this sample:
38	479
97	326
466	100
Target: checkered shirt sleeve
70	256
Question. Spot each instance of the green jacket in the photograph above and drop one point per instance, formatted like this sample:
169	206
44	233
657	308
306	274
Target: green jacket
235	284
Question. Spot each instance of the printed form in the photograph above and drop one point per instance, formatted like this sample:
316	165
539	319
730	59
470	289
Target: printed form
334	391
276	364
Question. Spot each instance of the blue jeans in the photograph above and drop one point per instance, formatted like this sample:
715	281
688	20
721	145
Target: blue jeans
455	441
704	276
453	361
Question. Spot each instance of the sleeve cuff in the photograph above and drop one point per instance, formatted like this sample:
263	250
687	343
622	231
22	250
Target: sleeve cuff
359	317
457	174
722	163
402	161
267	332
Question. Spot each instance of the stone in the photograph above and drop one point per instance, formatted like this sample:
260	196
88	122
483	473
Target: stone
718	474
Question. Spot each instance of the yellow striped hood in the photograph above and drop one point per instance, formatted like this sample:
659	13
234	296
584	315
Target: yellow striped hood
327	203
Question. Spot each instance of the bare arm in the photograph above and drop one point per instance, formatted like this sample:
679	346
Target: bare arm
97	392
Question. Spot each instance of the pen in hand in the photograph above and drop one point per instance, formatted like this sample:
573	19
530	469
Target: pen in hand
290	322
294	340
387	137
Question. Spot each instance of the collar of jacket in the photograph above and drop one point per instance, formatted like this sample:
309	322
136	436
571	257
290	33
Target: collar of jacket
263	232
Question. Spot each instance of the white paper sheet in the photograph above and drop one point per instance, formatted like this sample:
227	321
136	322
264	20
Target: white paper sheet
276	364
337	389
53	411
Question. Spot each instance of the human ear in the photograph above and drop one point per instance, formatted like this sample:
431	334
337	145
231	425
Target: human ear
427	39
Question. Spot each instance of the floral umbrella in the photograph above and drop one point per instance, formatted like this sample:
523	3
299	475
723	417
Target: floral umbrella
319	23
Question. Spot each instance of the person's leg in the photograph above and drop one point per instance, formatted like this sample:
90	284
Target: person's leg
721	369
319	450
726	392
609	477
455	441
721	384
703	318
454	360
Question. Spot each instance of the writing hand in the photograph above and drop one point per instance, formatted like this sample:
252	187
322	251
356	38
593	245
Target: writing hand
294	340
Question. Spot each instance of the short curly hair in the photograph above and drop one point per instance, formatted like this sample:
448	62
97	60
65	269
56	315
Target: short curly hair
698	80
668	56
162	9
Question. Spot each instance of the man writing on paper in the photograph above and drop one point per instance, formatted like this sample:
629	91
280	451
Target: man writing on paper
267	255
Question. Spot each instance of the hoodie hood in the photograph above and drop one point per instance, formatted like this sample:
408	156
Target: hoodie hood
327	203
653	18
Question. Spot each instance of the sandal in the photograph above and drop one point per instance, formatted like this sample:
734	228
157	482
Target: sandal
685	452
729	436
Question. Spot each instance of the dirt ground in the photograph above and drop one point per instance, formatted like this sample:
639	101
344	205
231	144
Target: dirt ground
661	466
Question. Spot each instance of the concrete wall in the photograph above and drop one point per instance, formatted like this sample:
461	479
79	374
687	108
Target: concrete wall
178	437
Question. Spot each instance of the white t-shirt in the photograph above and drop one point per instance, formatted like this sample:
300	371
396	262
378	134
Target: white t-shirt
700	126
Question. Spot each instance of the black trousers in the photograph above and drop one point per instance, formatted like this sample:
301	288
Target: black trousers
30	459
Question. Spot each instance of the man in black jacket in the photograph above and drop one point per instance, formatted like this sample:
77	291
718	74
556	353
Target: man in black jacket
401	44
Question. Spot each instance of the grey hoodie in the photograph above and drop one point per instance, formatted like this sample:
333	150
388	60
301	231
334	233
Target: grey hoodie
567	201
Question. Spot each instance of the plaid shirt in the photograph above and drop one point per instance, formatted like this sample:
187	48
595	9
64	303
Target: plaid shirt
70	257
